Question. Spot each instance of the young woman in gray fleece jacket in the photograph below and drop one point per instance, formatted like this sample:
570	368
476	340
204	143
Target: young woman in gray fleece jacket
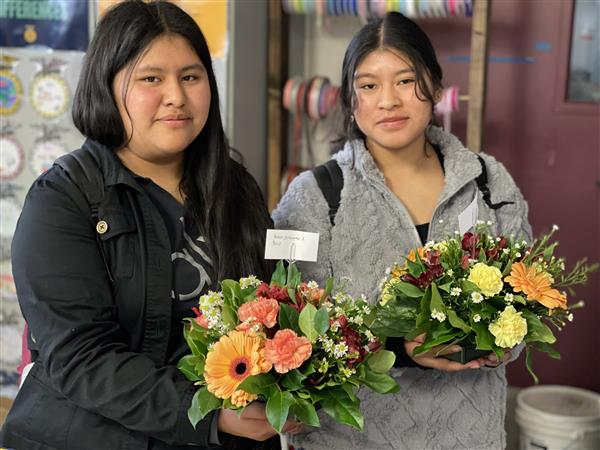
405	182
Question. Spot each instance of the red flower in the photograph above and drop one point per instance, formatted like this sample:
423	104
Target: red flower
469	244
492	253
464	261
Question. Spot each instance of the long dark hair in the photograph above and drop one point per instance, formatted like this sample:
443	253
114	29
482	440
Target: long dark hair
393	32
221	197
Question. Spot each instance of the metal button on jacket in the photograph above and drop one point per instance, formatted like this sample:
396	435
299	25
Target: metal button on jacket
101	227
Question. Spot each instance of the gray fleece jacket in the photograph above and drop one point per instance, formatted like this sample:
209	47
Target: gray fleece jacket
434	409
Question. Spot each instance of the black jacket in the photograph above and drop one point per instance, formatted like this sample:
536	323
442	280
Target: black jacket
100	379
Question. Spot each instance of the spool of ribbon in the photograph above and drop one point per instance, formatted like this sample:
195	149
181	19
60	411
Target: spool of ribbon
447	105
366	9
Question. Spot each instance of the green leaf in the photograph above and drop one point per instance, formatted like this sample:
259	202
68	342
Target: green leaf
457	322
382	361
537	331
546	348
484	340
278	407
396	318
305	412
408	289
309	369
232	293
424	316
229	316
306	322
294	276
446	287
519	299
468	287
328	287
196	346
379	382
279	277
203	402
341	408
187	366
259	384
322	321
288	318
439	333
436	299
292	380
529	364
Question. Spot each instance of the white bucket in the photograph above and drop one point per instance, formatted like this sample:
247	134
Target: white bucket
558	418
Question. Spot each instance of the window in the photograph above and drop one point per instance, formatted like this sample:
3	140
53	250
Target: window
584	64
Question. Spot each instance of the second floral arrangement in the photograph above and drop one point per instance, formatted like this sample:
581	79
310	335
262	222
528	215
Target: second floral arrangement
487	293
294	345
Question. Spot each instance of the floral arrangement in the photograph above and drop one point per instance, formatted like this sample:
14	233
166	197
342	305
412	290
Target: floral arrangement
488	293
290	344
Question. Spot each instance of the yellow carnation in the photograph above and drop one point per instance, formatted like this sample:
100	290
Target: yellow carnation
509	329
487	278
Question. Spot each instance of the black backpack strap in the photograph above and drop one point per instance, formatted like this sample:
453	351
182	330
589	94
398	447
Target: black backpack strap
83	169
482	184
331	181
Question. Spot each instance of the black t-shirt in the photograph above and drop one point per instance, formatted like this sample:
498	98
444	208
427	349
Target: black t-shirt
191	265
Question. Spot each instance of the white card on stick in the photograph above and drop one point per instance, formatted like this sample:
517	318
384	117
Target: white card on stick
468	218
292	245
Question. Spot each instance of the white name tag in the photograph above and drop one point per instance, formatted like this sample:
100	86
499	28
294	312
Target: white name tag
292	245
468	218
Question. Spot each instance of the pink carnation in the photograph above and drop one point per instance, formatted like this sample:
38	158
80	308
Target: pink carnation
286	351
200	319
262	310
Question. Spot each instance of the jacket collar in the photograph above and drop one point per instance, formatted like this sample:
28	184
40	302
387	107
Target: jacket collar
461	165
113	170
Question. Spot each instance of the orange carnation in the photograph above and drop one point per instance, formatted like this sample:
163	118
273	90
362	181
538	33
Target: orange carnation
287	351
263	311
536	285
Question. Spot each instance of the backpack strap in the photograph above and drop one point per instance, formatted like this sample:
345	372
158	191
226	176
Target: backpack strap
83	169
331	181
482	184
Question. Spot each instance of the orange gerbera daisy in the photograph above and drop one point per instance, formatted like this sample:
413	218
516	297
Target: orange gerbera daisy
234	358
536	285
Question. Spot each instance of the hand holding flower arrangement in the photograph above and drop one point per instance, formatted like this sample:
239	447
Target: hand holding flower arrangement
480	291
290	344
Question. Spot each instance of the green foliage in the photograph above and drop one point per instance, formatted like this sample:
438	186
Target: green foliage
278	407
381	361
203	402
279	277
259	384
379	382
187	365
396	318
305	412
537	331
342	408
292	380
306	322
288	317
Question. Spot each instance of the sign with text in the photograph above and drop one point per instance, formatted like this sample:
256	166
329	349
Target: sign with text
292	245
56	24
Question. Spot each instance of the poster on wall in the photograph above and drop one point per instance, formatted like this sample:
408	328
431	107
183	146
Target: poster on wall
56	24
